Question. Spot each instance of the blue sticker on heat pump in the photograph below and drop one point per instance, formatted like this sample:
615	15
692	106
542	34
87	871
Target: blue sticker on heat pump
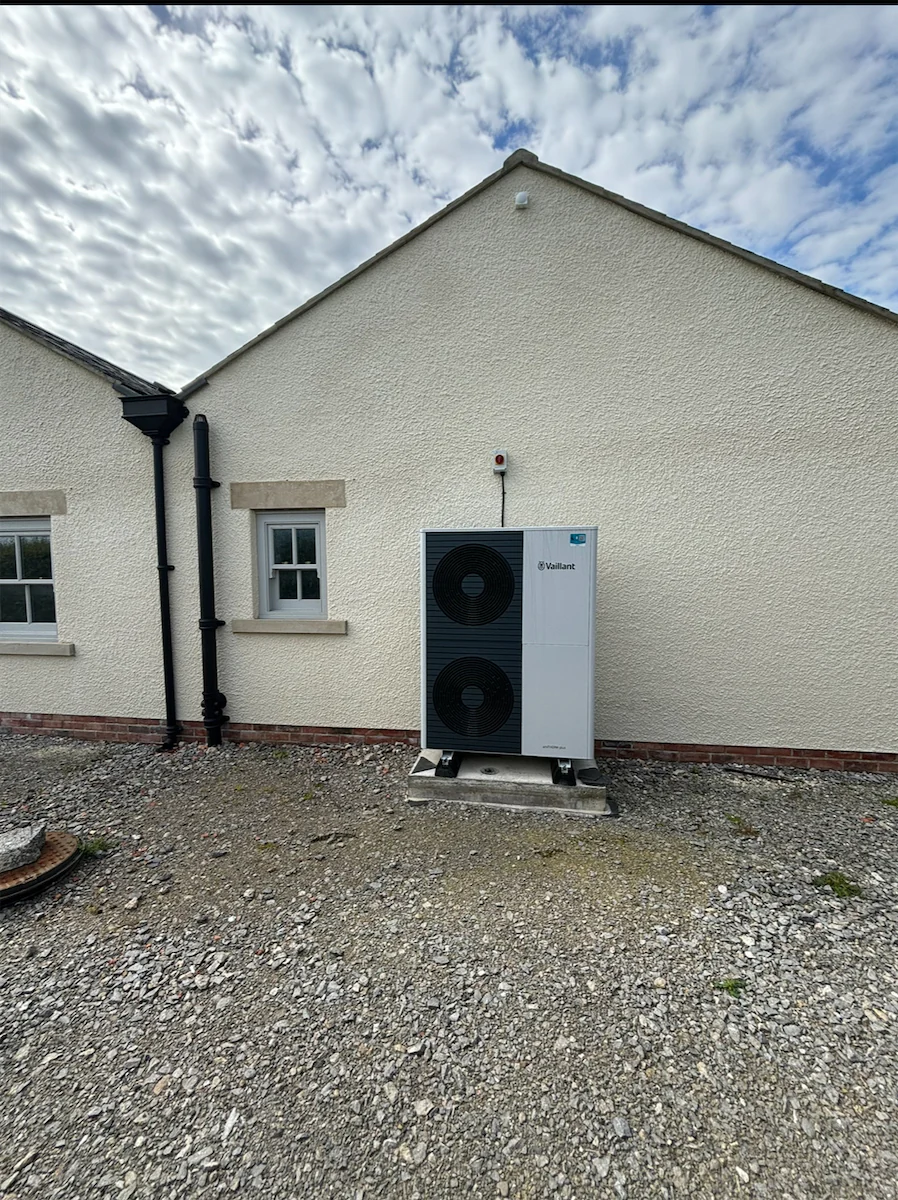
578	539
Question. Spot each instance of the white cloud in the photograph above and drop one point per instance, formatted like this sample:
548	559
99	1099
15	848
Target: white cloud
168	188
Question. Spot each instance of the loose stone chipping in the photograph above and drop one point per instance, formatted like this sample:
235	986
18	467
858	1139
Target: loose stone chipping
323	992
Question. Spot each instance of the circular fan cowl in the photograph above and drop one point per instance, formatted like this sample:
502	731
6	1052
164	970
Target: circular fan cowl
473	697
473	584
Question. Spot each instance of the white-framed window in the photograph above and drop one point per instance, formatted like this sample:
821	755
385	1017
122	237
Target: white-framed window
291	564
27	600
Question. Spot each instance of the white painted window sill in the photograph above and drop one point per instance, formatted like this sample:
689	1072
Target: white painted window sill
56	649
289	625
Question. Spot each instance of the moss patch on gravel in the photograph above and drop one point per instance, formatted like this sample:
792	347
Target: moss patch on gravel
840	884
732	986
97	845
742	827
597	863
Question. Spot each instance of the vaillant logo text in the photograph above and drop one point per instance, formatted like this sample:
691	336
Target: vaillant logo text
547	566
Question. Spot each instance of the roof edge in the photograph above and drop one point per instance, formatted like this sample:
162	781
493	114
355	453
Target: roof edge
519	158
710	239
113	375
526	158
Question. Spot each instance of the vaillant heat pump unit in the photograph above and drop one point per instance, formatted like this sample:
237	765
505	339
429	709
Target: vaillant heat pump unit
508	641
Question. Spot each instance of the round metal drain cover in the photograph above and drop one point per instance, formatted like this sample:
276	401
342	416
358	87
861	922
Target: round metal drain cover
60	853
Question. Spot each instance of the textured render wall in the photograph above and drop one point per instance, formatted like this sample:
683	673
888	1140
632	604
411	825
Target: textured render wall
62	429
732	435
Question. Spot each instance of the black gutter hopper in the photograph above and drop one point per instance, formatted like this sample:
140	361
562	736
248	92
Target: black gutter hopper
158	416
213	700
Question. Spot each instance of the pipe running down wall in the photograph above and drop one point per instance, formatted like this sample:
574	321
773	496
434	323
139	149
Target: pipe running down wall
163	566
213	700
158	415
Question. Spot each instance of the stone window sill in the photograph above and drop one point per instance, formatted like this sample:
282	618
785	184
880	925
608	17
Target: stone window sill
56	649
288	625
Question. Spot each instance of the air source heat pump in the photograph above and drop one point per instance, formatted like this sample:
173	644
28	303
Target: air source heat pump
508	641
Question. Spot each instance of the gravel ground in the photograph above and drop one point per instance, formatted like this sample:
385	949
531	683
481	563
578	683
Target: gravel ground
280	978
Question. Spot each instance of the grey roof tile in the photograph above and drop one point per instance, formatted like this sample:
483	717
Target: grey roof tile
117	376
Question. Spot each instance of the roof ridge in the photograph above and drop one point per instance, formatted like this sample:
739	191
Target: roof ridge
520	156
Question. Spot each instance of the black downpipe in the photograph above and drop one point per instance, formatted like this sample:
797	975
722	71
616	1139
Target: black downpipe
172	728
213	700
157	415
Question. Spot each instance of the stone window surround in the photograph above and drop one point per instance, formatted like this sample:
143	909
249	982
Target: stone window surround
33	504
289	625
48	649
274	496
289	494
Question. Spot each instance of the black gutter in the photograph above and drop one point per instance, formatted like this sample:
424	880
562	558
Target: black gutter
157	416
213	700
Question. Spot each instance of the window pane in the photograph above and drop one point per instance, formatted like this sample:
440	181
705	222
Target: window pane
43	605
8	558
283	545
305	546
311	585
287	585
36	556
12	602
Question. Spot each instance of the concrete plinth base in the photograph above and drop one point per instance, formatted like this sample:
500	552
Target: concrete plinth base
504	781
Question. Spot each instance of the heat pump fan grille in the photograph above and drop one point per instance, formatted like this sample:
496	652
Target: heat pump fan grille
473	697
473	585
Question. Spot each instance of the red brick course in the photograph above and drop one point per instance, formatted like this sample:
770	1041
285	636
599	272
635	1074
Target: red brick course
760	756
141	729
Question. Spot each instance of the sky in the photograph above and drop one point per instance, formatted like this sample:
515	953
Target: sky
174	179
